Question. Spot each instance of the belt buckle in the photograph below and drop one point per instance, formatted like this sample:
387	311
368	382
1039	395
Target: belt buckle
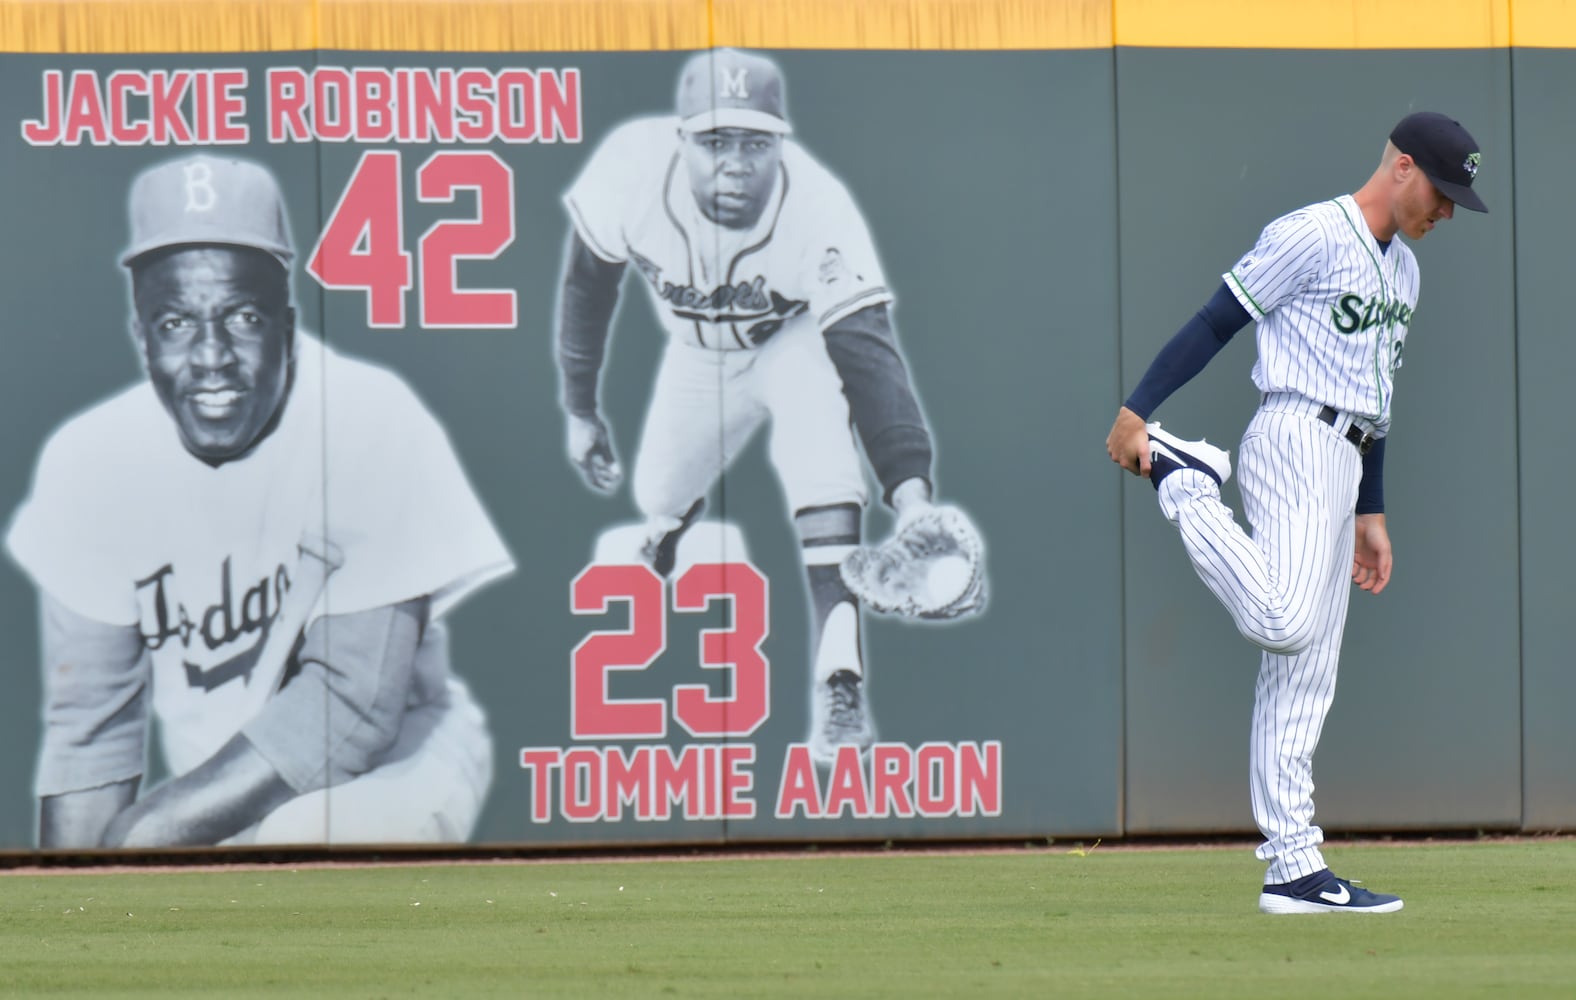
1361	441
1355	435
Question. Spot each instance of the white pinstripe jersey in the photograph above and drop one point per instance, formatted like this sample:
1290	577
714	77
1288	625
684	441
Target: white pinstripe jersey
810	258
1332	309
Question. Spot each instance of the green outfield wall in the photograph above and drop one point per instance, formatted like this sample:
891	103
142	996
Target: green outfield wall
1051	190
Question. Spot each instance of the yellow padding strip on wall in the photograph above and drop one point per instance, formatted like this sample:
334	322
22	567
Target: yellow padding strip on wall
154	26
157	25
547	25
1548	24
1314	24
515	25
914	24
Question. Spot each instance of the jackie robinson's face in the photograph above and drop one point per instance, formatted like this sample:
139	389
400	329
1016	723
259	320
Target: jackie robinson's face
217	334
731	171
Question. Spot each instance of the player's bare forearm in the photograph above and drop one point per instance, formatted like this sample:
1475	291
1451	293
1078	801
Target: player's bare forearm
1372	559
910	497
224	795
590	447
1128	442
95	716
78	819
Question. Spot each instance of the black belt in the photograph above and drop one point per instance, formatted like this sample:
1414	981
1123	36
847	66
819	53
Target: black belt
1354	434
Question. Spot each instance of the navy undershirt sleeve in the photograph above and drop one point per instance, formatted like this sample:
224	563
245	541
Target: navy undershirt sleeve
587	297
1370	492
1186	354
863	348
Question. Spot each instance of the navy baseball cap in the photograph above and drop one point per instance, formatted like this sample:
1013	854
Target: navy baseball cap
726	88
1445	152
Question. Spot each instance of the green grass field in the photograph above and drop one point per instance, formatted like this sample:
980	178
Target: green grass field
1482	919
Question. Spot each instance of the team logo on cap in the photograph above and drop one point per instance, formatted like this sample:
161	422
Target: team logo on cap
736	84
200	195
1473	159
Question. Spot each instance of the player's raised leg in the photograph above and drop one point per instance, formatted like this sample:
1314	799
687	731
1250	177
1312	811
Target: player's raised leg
1284	477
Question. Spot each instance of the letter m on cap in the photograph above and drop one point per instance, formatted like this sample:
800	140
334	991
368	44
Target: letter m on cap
735	84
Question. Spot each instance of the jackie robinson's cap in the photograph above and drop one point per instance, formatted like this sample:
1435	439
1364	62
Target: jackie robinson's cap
207	199
726	88
1445	152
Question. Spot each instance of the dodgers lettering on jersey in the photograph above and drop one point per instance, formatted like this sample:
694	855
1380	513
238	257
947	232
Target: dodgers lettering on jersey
126	527
809	259
1333	309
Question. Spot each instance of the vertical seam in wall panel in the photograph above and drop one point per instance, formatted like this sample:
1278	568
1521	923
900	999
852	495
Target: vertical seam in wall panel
1121	487
1516	452
314	60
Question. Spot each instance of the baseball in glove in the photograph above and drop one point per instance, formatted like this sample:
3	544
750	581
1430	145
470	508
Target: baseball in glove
932	567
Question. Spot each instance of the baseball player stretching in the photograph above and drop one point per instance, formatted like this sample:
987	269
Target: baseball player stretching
175	528
765	277
1332	289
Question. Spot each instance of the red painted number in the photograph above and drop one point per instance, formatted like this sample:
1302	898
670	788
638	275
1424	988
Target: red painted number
362	246
362	242
441	248
595	714
737	649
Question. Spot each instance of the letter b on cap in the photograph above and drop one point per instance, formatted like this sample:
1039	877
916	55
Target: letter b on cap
200	195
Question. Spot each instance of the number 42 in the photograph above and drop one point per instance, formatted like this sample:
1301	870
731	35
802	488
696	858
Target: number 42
362	245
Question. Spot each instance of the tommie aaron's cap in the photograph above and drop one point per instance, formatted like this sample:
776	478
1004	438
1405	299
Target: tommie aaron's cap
1445	152
207	199
726	88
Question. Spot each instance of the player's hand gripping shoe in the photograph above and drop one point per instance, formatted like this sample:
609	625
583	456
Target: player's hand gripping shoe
838	717
1168	453
1322	892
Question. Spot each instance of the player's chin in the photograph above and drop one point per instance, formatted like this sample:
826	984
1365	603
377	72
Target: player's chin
217	440
732	209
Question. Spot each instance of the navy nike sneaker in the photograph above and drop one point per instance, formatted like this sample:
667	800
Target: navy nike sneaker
1322	892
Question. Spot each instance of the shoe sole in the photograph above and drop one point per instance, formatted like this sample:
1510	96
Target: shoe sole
1192	454
1270	902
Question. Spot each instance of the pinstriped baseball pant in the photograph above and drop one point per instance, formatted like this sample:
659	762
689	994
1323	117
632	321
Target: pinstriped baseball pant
1286	586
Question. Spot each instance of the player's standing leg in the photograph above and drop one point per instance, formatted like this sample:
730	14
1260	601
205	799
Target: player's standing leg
838	712
812	447
1296	688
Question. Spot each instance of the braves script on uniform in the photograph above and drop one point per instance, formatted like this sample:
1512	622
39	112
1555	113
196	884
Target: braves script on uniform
752	302
808	261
